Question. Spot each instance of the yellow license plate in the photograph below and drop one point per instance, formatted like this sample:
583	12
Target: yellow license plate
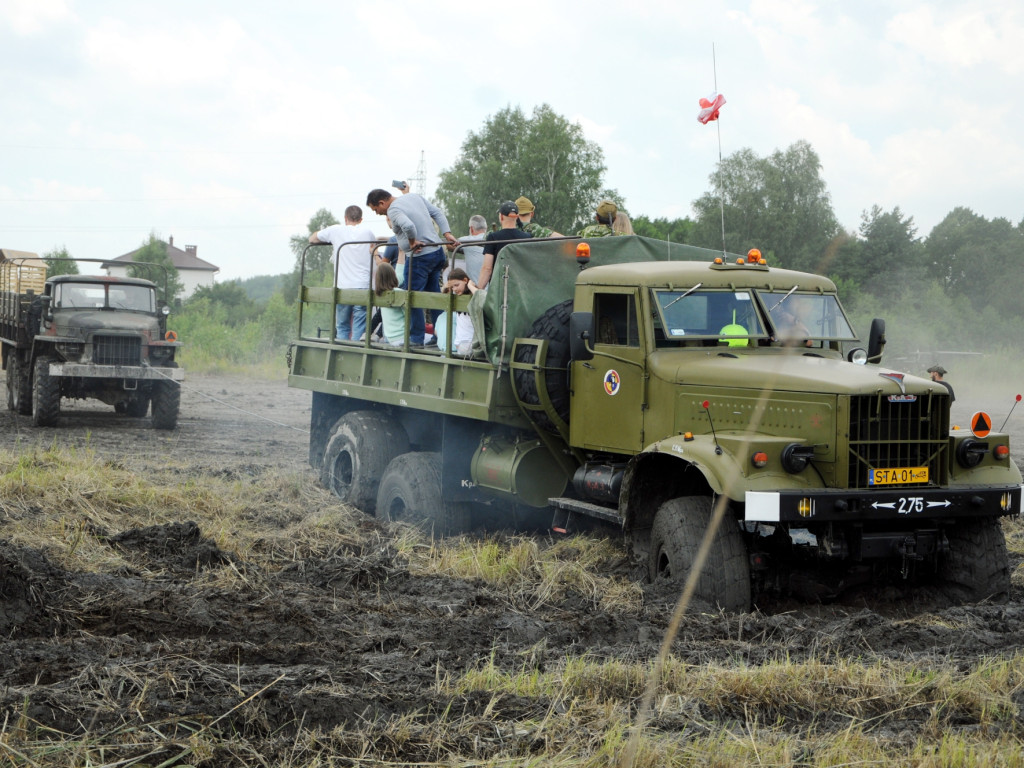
898	476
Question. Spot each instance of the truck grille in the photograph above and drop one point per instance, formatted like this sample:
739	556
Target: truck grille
894	435
117	350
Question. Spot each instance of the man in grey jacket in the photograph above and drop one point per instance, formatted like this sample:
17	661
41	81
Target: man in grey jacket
412	220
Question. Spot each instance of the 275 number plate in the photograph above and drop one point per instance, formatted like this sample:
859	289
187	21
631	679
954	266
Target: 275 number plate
898	476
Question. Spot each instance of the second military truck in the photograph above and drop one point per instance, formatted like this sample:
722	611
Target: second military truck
651	385
80	336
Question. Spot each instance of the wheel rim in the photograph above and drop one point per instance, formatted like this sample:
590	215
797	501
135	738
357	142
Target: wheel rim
664	569
397	510
341	473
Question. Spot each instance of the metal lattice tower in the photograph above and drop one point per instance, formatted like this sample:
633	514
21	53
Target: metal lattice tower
419	179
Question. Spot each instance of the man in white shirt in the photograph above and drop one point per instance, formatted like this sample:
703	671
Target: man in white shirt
353	267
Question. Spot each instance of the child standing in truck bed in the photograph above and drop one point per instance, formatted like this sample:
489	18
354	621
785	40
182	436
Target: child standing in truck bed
392	318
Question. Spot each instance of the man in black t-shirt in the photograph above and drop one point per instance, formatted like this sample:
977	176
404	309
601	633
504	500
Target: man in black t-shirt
508	214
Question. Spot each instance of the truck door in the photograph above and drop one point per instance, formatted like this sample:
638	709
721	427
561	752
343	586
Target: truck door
609	390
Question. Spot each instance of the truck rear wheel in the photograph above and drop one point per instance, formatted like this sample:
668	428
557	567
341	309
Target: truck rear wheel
166	401
19	386
553	326
410	492
361	445
676	536
45	395
977	566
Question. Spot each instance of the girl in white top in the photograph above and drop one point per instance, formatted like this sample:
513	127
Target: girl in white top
459	283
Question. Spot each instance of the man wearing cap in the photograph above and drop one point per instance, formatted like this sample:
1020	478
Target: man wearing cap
526	222
937	372
412	220
603	218
508	215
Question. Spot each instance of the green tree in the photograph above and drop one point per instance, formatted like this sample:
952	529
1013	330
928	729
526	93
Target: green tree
164	275
544	157
238	307
886	253
974	257
676	230
779	204
55	264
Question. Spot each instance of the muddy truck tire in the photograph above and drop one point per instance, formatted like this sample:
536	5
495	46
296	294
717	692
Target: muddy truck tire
410	492
45	395
676	536
166	400
977	565
19	386
361	445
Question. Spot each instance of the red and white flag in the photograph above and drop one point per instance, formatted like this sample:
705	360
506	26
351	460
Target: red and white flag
709	108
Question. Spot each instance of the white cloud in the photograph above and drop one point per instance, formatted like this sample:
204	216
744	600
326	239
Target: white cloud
31	17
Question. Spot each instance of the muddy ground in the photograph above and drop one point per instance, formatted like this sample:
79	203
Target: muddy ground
351	638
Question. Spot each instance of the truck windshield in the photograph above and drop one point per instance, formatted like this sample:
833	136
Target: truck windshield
807	316
137	298
732	317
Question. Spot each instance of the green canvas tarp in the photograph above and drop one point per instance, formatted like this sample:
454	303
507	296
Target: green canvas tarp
531	276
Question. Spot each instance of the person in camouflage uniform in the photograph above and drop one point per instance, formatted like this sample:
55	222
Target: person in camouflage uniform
526	222
603	217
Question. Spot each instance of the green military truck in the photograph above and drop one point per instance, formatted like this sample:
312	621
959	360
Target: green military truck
639	382
81	336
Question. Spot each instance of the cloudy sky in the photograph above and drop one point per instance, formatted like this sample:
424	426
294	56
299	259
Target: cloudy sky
227	124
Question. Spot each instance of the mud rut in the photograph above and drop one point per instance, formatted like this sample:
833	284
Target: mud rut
350	639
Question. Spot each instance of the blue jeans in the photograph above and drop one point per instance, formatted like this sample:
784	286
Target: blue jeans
424	275
349	321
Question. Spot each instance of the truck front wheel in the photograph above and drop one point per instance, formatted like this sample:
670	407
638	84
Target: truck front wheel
976	567
360	447
19	386
410	492
45	395
166	400
676	536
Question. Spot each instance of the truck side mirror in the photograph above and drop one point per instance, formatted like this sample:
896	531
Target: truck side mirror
876	341
581	331
45	300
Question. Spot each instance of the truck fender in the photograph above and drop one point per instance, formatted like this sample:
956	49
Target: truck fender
671	468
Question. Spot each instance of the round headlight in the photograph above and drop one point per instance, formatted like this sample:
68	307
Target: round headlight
858	356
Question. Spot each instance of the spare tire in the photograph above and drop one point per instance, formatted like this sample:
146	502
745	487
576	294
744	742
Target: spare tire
552	326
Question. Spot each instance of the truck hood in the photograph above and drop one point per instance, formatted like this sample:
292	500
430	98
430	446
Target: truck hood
784	371
80	323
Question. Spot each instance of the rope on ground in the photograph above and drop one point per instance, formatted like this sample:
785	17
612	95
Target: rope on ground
229	405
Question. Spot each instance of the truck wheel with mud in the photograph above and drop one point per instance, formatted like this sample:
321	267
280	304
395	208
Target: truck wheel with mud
361	445
676	536
45	394
166	399
19	386
552	326
410	492
977	566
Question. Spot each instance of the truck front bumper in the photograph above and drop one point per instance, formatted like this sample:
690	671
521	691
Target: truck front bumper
846	506
134	372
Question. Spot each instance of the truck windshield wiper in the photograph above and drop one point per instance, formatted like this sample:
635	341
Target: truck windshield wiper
773	307
691	290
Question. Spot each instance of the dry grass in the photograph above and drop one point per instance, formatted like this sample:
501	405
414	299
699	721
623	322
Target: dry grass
540	709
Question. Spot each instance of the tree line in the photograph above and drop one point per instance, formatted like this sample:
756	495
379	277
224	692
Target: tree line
952	288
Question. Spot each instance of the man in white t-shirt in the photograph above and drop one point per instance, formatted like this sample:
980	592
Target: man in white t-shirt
353	264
